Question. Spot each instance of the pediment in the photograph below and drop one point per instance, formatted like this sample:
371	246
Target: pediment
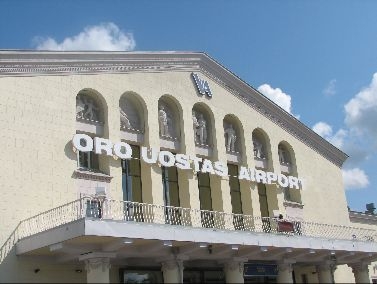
35	63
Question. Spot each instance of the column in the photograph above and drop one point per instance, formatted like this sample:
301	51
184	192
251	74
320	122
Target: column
97	270
172	271
325	273
284	273
361	272
234	271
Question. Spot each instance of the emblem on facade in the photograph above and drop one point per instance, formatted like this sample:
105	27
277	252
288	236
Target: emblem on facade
202	85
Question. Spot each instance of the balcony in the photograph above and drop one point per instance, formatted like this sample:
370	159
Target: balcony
119	219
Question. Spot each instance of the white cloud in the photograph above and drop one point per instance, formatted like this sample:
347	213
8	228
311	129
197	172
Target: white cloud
105	36
355	179
330	89
361	111
326	131
277	96
322	128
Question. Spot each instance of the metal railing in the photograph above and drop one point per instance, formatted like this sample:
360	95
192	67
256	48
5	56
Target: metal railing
106	209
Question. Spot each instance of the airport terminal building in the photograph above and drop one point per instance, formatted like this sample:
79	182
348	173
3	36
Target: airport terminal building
165	167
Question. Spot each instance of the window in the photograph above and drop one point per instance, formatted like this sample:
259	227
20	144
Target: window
131	186
264	207
171	195
88	161
235	196
235	192
205	199
131	177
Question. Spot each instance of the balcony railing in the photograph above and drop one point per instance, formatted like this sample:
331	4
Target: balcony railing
149	213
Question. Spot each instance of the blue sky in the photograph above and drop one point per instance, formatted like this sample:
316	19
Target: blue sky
317	59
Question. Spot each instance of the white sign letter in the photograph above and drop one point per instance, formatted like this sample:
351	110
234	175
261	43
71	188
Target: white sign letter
182	162
271	177
293	182
144	155
127	153
196	163
80	139
221	169
166	159
103	144
283	180
260	176
207	167
244	173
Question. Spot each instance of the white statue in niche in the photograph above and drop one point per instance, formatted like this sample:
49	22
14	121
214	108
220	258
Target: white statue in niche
282	156
230	138
125	122
202	130
163	122
195	125
258	153
86	108
80	107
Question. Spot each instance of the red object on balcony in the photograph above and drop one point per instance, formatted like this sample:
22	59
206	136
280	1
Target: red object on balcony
285	226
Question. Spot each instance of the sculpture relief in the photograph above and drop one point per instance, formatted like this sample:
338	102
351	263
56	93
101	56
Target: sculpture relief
282	156
258	152
230	138
130	116
166	123
200	129
163	122
124	121
86	108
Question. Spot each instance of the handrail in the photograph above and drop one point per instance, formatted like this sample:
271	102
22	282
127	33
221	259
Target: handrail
108	209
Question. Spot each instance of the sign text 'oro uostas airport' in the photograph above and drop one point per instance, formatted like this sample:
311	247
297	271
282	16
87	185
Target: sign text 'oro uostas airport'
122	150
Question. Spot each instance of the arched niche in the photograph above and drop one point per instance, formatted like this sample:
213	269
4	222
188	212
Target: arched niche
288	166
132	113
203	130
202	125
232	135
91	111
286	158
261	148
169	118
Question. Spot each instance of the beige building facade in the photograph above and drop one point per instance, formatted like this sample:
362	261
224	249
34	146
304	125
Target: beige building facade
164	167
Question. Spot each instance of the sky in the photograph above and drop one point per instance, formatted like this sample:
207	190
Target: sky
316	59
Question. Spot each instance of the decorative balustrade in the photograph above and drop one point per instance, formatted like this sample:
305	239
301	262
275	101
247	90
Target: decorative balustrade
105	209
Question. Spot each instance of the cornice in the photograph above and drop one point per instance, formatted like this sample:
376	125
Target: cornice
36	63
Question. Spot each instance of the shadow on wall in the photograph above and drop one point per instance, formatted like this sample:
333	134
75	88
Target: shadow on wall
68	151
